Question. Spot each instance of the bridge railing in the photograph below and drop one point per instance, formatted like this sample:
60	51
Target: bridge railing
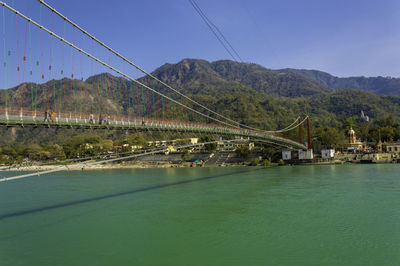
70	118
39	116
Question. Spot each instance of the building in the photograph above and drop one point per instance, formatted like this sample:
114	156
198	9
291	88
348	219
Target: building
327	153
379	146
352	136
377	157
165	143
231	146
286	155
226	146
306	155
353	144
392	147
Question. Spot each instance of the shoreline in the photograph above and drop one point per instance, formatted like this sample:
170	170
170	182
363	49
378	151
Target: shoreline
108	166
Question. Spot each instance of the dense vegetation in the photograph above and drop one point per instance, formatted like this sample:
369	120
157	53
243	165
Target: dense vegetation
82	145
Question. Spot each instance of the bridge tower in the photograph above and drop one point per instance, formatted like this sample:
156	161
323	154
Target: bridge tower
305	154
308	134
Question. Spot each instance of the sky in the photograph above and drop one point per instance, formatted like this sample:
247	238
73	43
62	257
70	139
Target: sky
343	38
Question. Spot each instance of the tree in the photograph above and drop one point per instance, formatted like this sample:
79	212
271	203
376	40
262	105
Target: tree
72	145
389	120
331	137
387	133
57	152
210	147
349	122
185	155
36	153
242	151
106	145
92	139
269	153
137	140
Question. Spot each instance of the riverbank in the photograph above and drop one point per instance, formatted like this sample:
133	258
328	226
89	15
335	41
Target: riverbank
88	166
109	166
174	160
141	165
165	161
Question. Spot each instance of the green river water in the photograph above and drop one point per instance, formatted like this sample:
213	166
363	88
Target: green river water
300	215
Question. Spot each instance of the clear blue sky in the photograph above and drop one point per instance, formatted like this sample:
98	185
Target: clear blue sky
344	38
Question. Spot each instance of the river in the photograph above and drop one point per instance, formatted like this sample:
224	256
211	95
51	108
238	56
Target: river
291	215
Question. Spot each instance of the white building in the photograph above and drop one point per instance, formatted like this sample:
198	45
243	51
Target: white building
306	155
328	153
286	155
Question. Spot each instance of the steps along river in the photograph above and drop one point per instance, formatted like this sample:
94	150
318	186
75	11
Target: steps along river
301	215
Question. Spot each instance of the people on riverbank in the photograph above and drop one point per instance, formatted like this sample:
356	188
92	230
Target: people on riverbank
53	117
46	116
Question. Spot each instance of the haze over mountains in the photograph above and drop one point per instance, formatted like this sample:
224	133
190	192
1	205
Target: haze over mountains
246	92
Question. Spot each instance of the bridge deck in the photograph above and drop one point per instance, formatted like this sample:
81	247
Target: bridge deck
136	124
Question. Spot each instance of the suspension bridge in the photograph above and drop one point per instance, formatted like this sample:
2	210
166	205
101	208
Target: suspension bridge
45	62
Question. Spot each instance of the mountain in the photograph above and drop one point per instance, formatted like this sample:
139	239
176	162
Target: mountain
377	85
196	76
69	95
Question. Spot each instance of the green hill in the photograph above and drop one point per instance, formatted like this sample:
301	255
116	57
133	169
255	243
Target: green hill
196	76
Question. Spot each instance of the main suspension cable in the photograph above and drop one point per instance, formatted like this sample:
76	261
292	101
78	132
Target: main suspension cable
112	68
142	70
212	26
235	124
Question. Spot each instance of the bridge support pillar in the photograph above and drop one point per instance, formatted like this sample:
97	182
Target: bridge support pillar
309	146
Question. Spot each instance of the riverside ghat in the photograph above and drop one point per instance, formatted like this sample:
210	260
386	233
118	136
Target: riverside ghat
354	151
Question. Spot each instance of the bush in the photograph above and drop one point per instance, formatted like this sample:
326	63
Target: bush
211	146
255	162
57	152
242	151
266	163
137	140
185	155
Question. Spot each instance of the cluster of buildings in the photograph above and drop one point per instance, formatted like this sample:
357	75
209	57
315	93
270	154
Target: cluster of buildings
355	151
221	146
356	146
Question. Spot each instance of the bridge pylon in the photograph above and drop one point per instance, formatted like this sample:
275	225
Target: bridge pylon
309	146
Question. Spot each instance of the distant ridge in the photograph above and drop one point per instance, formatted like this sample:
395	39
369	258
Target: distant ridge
222	76
377	85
